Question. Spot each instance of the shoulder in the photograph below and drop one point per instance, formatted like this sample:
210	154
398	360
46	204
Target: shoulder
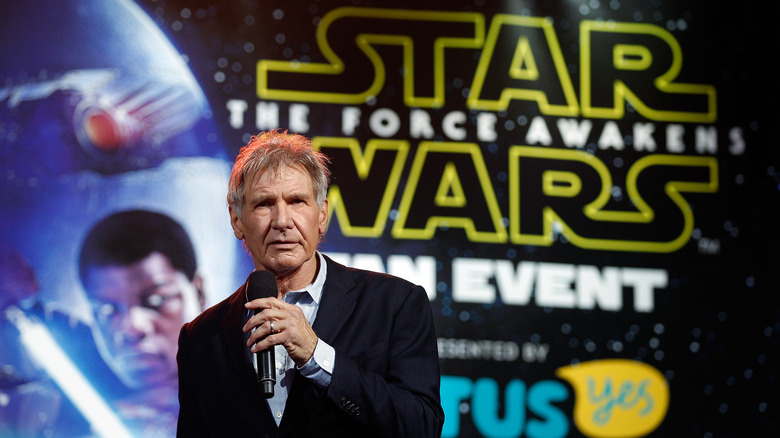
212	317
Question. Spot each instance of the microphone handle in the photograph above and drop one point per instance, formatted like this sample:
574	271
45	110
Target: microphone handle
267	375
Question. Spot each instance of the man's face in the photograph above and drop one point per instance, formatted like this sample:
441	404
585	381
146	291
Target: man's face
138	311
281	222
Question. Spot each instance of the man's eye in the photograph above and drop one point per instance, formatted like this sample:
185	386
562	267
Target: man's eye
160	300
104	311
155	301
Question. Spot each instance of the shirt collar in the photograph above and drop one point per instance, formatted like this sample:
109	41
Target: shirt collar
314	289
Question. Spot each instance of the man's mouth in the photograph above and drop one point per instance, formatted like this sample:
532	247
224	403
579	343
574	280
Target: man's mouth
283	243
140	361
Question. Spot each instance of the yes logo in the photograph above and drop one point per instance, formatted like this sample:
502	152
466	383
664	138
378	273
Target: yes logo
617	397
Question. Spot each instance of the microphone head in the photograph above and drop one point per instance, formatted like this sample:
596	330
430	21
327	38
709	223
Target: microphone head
262	284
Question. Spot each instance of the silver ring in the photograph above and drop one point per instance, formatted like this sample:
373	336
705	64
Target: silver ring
272	327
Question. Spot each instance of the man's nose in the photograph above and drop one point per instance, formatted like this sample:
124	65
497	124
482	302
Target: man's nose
136	323
282	218
139	320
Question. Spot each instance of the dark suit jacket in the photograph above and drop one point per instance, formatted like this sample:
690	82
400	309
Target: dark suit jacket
385	381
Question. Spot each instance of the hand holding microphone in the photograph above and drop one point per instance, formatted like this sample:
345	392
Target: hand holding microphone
275	323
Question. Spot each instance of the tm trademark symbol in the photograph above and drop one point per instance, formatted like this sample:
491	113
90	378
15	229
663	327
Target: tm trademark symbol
709	246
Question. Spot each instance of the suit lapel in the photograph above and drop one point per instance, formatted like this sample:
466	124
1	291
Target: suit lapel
336	304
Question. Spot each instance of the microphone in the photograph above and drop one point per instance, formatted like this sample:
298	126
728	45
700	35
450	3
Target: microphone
263	284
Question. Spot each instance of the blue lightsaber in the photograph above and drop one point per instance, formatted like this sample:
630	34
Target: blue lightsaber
42	347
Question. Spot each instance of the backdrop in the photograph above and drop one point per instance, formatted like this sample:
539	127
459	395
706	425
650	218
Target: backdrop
588	190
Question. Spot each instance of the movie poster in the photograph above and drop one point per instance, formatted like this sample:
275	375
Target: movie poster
587	190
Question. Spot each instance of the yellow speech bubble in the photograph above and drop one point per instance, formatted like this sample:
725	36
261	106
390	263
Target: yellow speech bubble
617	397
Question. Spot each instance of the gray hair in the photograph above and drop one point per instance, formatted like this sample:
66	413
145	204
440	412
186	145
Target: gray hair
272	151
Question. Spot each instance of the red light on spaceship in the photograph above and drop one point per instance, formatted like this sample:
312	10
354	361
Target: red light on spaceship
102	131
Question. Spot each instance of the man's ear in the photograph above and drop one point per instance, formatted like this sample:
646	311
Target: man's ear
323	217
235	222
194	299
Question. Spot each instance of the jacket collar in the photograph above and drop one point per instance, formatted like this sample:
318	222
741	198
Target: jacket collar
336	304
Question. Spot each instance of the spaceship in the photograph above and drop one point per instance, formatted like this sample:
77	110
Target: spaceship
99	113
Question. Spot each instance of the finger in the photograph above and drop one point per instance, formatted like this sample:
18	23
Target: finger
261	318
262	333
254	322
262	303
262	344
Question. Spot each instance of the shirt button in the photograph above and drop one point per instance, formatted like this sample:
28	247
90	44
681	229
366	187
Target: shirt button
326	363
278	415
278	365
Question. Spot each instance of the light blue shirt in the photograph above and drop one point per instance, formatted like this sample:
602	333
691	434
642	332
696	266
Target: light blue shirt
320	367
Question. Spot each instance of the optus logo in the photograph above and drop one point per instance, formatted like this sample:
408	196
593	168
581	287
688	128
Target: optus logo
612	398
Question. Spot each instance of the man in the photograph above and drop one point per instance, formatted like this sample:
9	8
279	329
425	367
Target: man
139	272
355	351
